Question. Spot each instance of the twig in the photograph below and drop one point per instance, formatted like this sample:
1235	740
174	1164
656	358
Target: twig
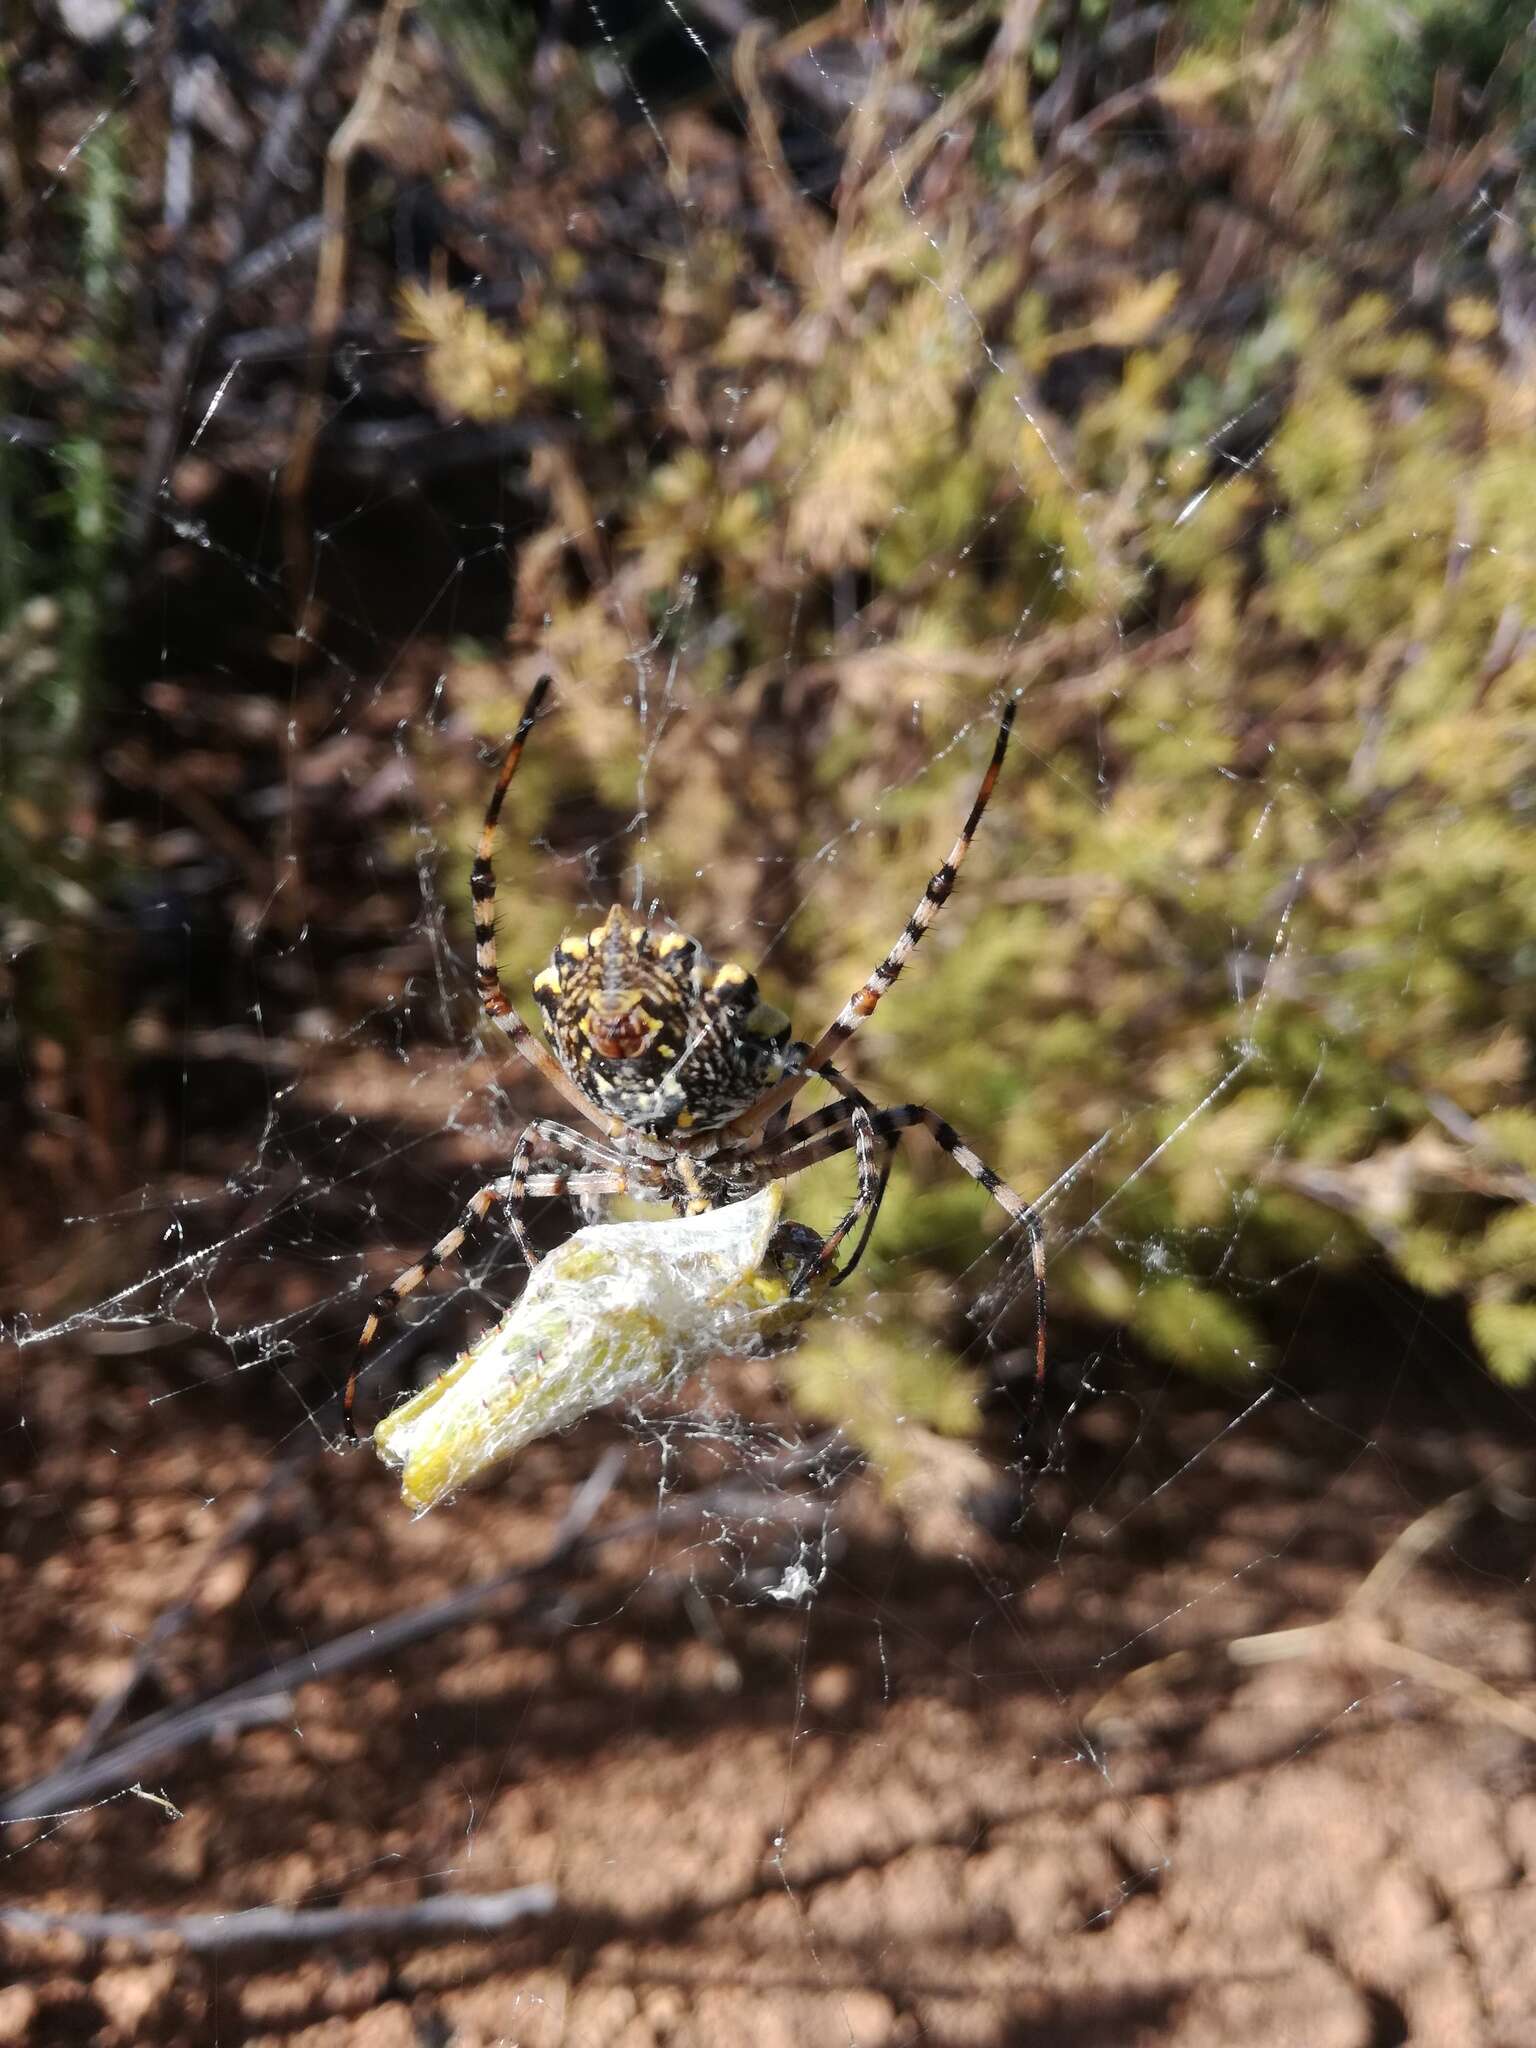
1354	1634
281	1926
1410	1546
325	317
1356	1641
283	248
266	1696
1454	1120
177	172
330	281
382	447
1075	140
791	59
900	164
170	1620
800	234
186	346
28	433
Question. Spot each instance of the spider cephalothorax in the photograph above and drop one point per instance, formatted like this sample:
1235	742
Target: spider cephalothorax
688	1078
653	1032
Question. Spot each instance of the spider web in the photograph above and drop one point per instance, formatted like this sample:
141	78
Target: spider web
929	1709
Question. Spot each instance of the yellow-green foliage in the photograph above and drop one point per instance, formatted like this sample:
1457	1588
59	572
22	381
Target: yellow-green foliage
877	1379
475	369
1253	920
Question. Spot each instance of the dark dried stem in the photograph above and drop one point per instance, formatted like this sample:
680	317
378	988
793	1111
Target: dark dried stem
186	346
799	70
171	1620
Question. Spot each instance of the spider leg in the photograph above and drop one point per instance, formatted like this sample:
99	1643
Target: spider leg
482	894
888	1124
872	1183
854	1117
546	1136
477	1207
856	1110
862	1002
509	1189
695	1199
778	1123
871	1218
835	1117
587	1182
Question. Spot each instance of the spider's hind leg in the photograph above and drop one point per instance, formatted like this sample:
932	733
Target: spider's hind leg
827	1133
870	1191
1023	1213
854	1109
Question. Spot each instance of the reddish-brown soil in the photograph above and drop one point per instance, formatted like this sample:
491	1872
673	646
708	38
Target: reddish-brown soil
1023	1796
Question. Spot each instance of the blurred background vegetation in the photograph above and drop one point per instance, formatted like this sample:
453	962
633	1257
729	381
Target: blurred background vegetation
795	388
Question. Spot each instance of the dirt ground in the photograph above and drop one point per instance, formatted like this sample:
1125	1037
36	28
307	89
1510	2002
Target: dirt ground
1029	1790
1209	1721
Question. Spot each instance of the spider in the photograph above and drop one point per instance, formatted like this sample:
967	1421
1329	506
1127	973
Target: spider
689	1077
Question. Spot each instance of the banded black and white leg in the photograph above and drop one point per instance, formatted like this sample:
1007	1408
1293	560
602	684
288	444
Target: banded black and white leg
808	1143
511	1189
872	1182
855	1114
482	895
862	1003
546	1138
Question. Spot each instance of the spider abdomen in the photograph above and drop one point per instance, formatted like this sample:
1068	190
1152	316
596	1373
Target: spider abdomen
654	1032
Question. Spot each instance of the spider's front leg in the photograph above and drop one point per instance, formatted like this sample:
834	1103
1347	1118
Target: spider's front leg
511	1188
475	1210
549	1139
861	1004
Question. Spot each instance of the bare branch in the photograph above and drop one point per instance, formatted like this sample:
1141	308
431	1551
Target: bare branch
181	357
330	280
170	1620
282	1926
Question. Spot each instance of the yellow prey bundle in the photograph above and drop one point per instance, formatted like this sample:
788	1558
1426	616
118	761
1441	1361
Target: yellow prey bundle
613	1313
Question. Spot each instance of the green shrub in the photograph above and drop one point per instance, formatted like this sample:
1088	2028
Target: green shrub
1254	916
